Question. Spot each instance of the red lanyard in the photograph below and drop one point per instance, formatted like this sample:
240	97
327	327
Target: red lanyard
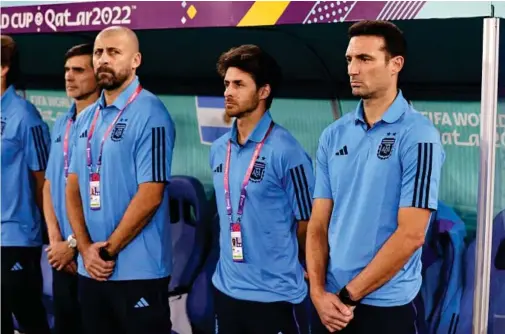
109	129
243	192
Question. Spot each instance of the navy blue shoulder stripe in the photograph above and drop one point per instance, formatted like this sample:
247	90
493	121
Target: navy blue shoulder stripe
422	181
302	194
158	154
40	146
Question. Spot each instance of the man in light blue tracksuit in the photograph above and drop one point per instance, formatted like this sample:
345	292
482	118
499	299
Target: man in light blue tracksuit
117	196
80	84
263	181
25	150
377	178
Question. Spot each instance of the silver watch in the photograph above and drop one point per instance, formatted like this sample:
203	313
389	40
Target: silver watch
72	241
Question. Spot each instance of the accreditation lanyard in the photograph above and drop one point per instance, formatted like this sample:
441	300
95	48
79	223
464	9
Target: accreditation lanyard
65	147
94	178
236	235
109	129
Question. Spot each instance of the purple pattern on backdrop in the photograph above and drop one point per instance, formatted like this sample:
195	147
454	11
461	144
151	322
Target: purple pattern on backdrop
416	11
365	10
296	12
94	16
217	13
330	11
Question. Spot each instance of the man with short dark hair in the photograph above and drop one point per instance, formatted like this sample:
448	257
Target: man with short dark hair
81	86
263	181
117	196
25	149
377	180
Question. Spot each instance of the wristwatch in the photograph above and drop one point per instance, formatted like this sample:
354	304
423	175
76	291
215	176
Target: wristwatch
345	297
72	241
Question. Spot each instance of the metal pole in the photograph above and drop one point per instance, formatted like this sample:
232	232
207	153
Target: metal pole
488	112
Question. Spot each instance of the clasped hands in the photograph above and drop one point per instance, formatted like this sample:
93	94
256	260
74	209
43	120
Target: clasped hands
96	267
61	256
334	314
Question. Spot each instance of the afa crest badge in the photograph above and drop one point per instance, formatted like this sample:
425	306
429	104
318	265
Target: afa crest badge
258	172
386	146
118	132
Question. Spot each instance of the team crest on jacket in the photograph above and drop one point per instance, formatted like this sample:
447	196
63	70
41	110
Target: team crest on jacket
118	132
258	171
386	146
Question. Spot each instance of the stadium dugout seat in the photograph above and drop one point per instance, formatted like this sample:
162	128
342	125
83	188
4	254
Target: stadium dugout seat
438	303
200	302
465	323
496	323
189	215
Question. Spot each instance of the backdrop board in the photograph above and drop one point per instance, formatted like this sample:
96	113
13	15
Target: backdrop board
182	40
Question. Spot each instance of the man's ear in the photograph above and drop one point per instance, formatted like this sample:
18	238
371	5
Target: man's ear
265	92
137	60
397	64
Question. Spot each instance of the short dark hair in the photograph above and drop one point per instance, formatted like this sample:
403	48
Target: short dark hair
80	50
10	58
249	58
394	41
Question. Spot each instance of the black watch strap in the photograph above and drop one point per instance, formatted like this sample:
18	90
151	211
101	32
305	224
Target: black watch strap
104	255
346	298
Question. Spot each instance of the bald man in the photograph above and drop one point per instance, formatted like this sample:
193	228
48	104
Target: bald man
117	201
